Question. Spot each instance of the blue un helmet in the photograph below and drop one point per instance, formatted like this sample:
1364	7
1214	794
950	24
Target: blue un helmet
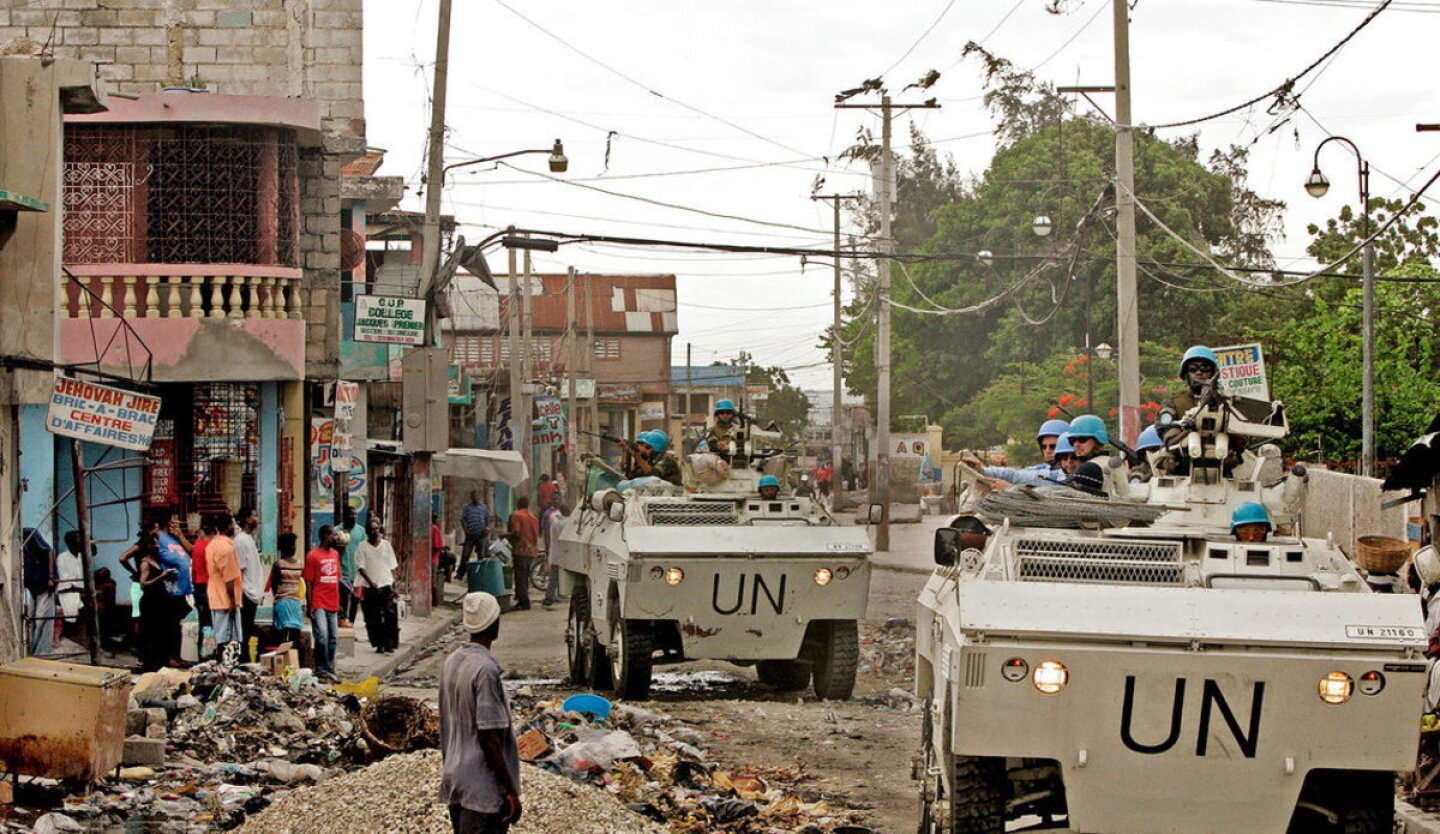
1149	439
1199	352
769	481
1063	445
1088	425
1052	428
658	440
724	405
1251	512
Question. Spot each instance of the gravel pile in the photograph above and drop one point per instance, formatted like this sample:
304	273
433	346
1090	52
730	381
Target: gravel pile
398	795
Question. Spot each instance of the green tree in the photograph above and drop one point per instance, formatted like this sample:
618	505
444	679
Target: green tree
784	404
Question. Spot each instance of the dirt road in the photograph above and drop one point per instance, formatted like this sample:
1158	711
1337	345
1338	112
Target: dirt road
857	752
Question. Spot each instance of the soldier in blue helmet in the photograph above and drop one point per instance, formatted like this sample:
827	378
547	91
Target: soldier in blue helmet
724	437
769	487
1199	376
1046	438
1052	434
1149	441
648	458
1250	523
1089	437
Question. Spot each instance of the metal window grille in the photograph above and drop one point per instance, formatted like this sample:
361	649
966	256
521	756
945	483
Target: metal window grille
692	513
607	347
1100	561
225	446
181	194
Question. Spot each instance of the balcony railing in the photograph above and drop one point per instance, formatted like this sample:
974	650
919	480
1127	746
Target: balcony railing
197	291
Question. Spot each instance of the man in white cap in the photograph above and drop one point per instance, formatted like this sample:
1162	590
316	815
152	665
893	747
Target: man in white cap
480	778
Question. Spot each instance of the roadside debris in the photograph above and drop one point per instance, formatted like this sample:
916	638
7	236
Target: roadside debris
221	745
398	795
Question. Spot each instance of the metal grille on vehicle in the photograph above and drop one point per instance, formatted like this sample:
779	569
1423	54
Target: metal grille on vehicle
693	513
1108	562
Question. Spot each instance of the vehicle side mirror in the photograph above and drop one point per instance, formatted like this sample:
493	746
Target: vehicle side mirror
947	546
877	513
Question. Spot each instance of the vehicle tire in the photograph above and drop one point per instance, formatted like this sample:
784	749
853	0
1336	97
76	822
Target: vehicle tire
784	674
579	634
836	655
540	574
632	658
977	804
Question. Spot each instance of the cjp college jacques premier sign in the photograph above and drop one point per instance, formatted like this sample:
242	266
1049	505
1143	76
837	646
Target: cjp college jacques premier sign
101	414
389	320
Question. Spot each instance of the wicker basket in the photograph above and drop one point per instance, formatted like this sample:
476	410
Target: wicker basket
1381	554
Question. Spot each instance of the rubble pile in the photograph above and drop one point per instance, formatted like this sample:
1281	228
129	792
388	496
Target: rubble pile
657	767
888	650
224	745
399	795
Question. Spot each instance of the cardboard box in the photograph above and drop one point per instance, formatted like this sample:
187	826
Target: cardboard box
277	662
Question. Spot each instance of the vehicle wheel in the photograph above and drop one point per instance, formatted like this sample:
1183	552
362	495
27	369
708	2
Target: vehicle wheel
632	657
784	674
977	804
579	634
836	655
540	575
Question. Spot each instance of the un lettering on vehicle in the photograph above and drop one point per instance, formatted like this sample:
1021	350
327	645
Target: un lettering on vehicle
747	594
1236	714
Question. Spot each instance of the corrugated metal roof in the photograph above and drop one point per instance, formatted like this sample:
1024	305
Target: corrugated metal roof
708	375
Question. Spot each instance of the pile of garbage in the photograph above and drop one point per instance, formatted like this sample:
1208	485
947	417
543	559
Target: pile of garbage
888	650
225	743
656	766
399	795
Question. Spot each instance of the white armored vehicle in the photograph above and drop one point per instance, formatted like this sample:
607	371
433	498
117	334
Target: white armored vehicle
660	574
1161	675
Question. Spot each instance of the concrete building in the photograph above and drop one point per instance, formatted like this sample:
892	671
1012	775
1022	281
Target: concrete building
205	226
34	97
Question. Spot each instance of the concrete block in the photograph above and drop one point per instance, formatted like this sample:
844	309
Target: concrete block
137	18
198	55
233	19
132	55
80	36
136	720
149	752
155	716
116	36
160	732
234	55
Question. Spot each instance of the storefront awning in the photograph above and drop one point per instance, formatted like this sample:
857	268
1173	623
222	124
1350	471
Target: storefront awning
482	464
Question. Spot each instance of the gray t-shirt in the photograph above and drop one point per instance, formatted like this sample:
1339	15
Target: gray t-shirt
472	698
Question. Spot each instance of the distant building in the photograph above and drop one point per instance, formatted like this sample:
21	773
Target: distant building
703	385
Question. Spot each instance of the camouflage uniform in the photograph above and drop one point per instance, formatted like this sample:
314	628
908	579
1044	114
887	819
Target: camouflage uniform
665	467
715	434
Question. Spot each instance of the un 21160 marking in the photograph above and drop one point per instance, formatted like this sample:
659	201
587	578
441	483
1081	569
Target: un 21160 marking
1211	699
752	585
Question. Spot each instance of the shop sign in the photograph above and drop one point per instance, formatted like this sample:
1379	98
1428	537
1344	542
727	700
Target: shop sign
1242	371
652	411
909	444
162	489
101	414
342	441
619	393
322	487
389	320
757	391
458	387
548	428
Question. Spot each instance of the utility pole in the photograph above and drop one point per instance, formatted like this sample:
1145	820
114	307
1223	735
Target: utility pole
837	355
590	363
421	487
880	477
1127	319
689	389
515	368
527	375
572	366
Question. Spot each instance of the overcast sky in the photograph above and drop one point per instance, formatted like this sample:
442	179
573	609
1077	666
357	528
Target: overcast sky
747	87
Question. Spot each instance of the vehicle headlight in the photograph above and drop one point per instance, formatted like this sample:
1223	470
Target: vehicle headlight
823	576
1335	688
1051	676
674	576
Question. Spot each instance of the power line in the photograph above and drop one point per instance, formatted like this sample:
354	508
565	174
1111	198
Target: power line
647	88
1078	33
1281	91
923	35
1421	8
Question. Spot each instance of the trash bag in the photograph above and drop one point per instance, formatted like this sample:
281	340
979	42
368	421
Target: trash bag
709	469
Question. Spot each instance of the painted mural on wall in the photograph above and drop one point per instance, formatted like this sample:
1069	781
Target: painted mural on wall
322	487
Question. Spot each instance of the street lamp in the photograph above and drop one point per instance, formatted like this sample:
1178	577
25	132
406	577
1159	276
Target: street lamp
1317	186
985	257
1104	351
559	163
1042	225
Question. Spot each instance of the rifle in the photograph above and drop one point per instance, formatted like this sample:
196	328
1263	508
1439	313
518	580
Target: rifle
1132	457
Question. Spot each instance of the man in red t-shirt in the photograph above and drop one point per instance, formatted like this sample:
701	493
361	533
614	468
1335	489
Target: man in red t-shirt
526	527
200	578
322	579
544	492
